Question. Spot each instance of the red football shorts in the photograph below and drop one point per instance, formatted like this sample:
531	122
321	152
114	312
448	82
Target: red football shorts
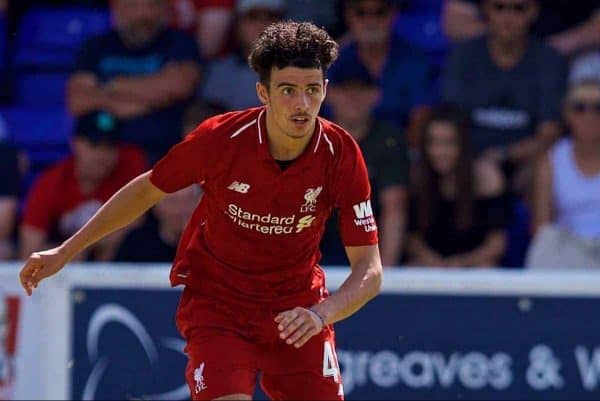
228	346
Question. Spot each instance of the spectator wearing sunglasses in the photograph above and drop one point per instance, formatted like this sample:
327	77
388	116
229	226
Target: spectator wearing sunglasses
569	26
402	72
511	85
219	89
567	189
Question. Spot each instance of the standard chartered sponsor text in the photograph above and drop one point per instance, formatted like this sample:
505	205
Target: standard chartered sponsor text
268	223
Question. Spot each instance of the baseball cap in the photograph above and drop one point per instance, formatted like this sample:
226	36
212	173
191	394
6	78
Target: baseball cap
243	6
97	127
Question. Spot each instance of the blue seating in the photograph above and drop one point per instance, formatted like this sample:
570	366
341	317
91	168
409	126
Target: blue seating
49	38
42	134
41	90
423	31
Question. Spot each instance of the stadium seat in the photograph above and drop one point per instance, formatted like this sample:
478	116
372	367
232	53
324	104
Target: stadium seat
41	90
49	38
423	31
42	134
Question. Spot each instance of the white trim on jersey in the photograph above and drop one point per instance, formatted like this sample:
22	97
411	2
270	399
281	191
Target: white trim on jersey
239	131
319	137
259	129
329	143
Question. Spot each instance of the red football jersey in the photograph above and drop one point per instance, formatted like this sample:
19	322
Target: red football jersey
255	236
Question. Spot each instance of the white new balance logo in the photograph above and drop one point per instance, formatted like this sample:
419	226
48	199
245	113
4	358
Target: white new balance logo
199	378
363	209
239	187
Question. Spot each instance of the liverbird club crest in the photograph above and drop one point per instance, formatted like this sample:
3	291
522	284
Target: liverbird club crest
310	199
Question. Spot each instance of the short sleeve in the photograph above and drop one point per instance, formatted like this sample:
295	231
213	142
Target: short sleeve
352	199
185	164
39	205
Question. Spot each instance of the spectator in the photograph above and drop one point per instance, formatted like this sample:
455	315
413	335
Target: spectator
9	190
157	239
252	17
323	13
68	193
142	72
567	191
402	72
569	26
384	149
209	21
511	85
460	210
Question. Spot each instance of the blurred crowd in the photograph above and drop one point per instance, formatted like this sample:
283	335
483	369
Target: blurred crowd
479	120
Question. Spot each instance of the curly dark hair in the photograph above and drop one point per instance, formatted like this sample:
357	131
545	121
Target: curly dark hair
297	44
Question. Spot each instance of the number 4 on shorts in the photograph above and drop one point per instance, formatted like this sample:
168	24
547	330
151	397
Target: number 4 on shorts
330	364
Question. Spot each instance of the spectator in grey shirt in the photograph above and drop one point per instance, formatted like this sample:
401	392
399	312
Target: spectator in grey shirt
511	85
230	81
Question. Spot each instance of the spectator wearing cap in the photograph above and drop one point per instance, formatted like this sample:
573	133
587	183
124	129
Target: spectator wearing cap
385	151
9	191
402	72
566	213
157	238
142	72
68	193
511	85
252	17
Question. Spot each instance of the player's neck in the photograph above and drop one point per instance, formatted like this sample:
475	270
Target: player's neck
281	145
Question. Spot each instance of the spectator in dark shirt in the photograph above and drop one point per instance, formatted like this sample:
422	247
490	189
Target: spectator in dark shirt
401	71
156	240
9	190
569	26
385	152
141	72
511	85
459	211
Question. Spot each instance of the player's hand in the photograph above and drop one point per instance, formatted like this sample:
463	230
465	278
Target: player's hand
41	265
296	326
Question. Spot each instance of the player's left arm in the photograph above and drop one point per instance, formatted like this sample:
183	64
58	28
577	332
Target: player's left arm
298	325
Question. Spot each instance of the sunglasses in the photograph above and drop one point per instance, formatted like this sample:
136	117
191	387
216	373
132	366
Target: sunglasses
585	107
371	12
516	7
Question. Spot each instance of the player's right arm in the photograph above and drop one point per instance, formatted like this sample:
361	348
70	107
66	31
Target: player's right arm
122	208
